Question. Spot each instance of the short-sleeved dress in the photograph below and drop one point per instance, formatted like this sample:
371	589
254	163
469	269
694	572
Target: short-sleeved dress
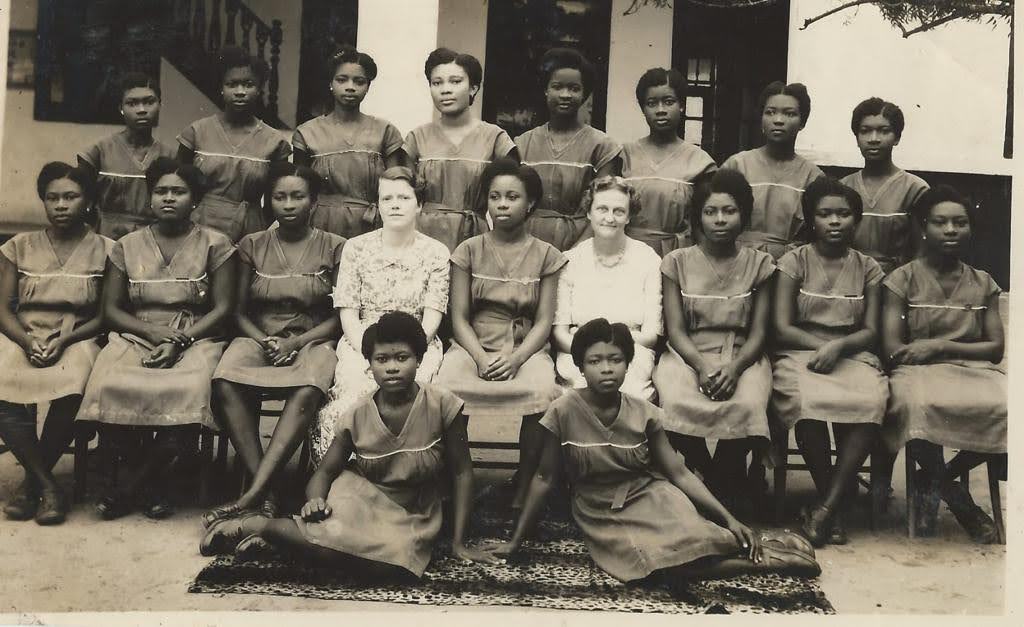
235	174
174	293
122	197
53	299
350	158
566	172
629	292
717	311
386	504
451	212
505	293
855	391
634	520
286	298
376	281
885	230
777	217
957	403
665	188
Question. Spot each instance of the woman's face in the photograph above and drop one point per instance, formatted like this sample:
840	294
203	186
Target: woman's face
172	199
720	218
393	365
662	109
609	213
65	203
948	229
450	89
604	367
507	202
876	138
834	221
396	201
290	201
780	119
140	108
240	89
564	92
349	85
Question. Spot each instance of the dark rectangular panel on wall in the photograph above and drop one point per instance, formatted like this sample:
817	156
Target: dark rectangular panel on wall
326	26
518	34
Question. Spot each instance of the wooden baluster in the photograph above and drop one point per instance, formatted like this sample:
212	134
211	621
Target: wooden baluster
276	37
262	35
199	22
247	22
213	36
231	9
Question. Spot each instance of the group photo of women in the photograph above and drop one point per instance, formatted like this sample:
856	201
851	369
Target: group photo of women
653	323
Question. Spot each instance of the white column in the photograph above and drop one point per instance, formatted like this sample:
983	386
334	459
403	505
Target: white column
639	41
5	25
463	28
399	34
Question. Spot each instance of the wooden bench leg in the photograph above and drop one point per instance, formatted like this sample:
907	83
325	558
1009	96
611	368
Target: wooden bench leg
205	465
83	433
911	493
779	488
997	504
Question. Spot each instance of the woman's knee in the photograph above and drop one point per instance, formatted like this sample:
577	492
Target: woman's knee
16	415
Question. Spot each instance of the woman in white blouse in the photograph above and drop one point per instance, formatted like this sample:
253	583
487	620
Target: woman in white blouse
611	276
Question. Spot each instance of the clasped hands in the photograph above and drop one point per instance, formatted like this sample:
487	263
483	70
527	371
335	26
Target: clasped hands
500	366
44	353
281	351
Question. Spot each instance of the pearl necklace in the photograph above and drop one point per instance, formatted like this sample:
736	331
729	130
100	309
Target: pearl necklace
610	261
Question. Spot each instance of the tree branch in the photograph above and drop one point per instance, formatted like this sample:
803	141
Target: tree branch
933	24
837	9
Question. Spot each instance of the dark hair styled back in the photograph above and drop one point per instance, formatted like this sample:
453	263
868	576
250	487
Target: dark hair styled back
348	54
137	80
600	330
567	58
796	90
877	106
507	166
722	181
56	170
280	169
605	183
939	194
232	56
193	177
823	187
467	62
658	76
395	326
402	173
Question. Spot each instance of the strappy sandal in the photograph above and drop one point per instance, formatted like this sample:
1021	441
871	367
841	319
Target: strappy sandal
23	503
816	524
224	536
221	512
114	506
269	507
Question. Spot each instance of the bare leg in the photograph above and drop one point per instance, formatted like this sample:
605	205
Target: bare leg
715	567
814	443
237	407
531	440
18	430
299	410
168	444
729	467
854	446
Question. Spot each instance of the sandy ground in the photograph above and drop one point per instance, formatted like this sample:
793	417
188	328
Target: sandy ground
138	564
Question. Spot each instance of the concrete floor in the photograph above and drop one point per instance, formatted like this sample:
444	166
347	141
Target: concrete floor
137	564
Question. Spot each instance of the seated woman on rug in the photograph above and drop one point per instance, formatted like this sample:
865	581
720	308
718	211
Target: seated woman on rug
611	276
168	292
642	512
394	268
943	335
380	514
503	302
827	308
288	330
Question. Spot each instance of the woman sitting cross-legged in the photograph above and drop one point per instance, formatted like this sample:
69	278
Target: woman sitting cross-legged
380	513
288	329
642	512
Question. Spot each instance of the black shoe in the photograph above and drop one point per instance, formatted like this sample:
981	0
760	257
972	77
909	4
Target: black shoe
817	522
114	506
23	503
53	508
838	533
972	518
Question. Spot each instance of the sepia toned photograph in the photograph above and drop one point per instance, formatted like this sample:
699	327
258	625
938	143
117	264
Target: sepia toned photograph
580	308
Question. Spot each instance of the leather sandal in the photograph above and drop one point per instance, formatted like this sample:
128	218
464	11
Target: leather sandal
221	512
254	548
224	536
787	539
23	503
816	524
269	507
787	562
53	508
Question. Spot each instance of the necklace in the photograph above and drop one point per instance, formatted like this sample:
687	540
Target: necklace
612	260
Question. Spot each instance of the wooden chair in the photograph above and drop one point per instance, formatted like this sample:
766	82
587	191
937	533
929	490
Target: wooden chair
993	492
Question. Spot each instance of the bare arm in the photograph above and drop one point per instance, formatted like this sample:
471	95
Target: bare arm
787	333
925	351
242	320
330	468
117	317
351	327
461	468
753	347
540	486
460	303
431	322
675	326
9	323
222	295
669	463
541	329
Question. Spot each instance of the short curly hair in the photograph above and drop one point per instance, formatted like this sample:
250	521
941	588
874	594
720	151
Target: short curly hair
823	187
617	183
507	166
56	170
723	181
600	330
658	76
231	57
795	90
939	194
402	173
877	106
193	177
395	327
567	58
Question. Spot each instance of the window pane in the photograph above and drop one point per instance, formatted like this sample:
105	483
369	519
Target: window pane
694	107
693	131
691	70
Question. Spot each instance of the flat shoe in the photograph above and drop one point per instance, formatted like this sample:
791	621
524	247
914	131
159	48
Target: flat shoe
838	533
22	504
112	506
223	536
53	508
221	512
254	548
787	539
788	562
816	524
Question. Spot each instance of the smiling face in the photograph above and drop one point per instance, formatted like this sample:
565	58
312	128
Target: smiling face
609	213
396	201
172	199
65	203
604	367
349	85
140	108
876	138
240	89
834	221
290	200
780	119
450	89
507	202
720	218
662	109
393	365
564	92
947	229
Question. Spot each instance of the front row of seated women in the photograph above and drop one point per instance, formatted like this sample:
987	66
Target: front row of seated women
169	291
